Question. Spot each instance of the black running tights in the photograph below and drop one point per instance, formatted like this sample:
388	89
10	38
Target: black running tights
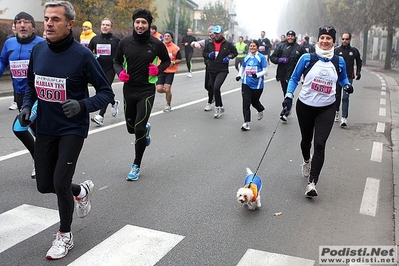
55	162
317	122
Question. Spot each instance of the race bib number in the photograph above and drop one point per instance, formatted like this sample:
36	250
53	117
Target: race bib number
322	85
262	48
85	42
19	68
50	89
249	70
103	49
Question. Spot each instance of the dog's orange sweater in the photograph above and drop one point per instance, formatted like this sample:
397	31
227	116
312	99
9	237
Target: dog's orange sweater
254	189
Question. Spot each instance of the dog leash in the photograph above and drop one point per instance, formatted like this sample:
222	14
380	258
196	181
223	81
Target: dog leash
263	156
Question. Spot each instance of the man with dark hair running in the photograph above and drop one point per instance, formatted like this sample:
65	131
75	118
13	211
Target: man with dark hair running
188	50
135	63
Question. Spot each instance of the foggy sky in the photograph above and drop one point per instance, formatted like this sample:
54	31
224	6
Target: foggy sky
253	16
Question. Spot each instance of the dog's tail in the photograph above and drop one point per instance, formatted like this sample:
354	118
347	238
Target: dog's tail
249	172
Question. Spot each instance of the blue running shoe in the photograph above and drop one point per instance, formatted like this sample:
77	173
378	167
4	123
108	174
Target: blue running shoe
147	135
134	173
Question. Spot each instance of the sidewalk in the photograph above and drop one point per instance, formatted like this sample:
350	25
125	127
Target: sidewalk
392	79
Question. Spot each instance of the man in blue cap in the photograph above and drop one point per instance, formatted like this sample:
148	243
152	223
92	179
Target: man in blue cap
219	52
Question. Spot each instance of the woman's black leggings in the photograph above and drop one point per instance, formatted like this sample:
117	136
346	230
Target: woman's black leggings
317	122
250	96
55	163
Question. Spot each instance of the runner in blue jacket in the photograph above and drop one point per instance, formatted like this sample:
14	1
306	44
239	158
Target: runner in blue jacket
16	53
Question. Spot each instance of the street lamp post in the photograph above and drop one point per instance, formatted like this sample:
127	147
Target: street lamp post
177	21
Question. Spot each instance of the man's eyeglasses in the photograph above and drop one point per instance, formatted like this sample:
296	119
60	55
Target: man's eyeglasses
23	21
345	39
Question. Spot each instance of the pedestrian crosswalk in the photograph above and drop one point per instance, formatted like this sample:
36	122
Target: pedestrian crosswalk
141	246
131	245
261	258
22	222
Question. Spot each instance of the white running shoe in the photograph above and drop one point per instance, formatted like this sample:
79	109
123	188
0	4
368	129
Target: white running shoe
245	126
61	245
190	75
208	107
343	122
311	190
167	108
306	168
98	119
13	106
114	108
336	117
260	115
218	112
83	205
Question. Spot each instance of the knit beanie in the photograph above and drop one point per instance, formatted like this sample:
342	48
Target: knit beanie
24	15
142	13
329	30
170	33
87	24
291	32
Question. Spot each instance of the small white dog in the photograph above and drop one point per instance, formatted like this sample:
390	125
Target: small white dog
249	194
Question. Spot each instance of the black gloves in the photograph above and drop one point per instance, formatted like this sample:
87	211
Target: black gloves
254	75
72	107
287	103
348	88
238	78
24	115
358	76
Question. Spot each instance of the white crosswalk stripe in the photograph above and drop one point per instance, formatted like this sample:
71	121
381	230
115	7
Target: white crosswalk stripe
262	258
131	245
22	222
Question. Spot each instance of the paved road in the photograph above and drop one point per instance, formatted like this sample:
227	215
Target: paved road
183	210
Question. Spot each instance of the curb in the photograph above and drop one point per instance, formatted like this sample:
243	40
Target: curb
394	99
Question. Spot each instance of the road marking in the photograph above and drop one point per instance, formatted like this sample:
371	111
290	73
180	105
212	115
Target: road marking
99	129
382	112
254	257
370	197
383	101
23	222
13	155
380	127
383	93
383	88
131	245
376	152
383	83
